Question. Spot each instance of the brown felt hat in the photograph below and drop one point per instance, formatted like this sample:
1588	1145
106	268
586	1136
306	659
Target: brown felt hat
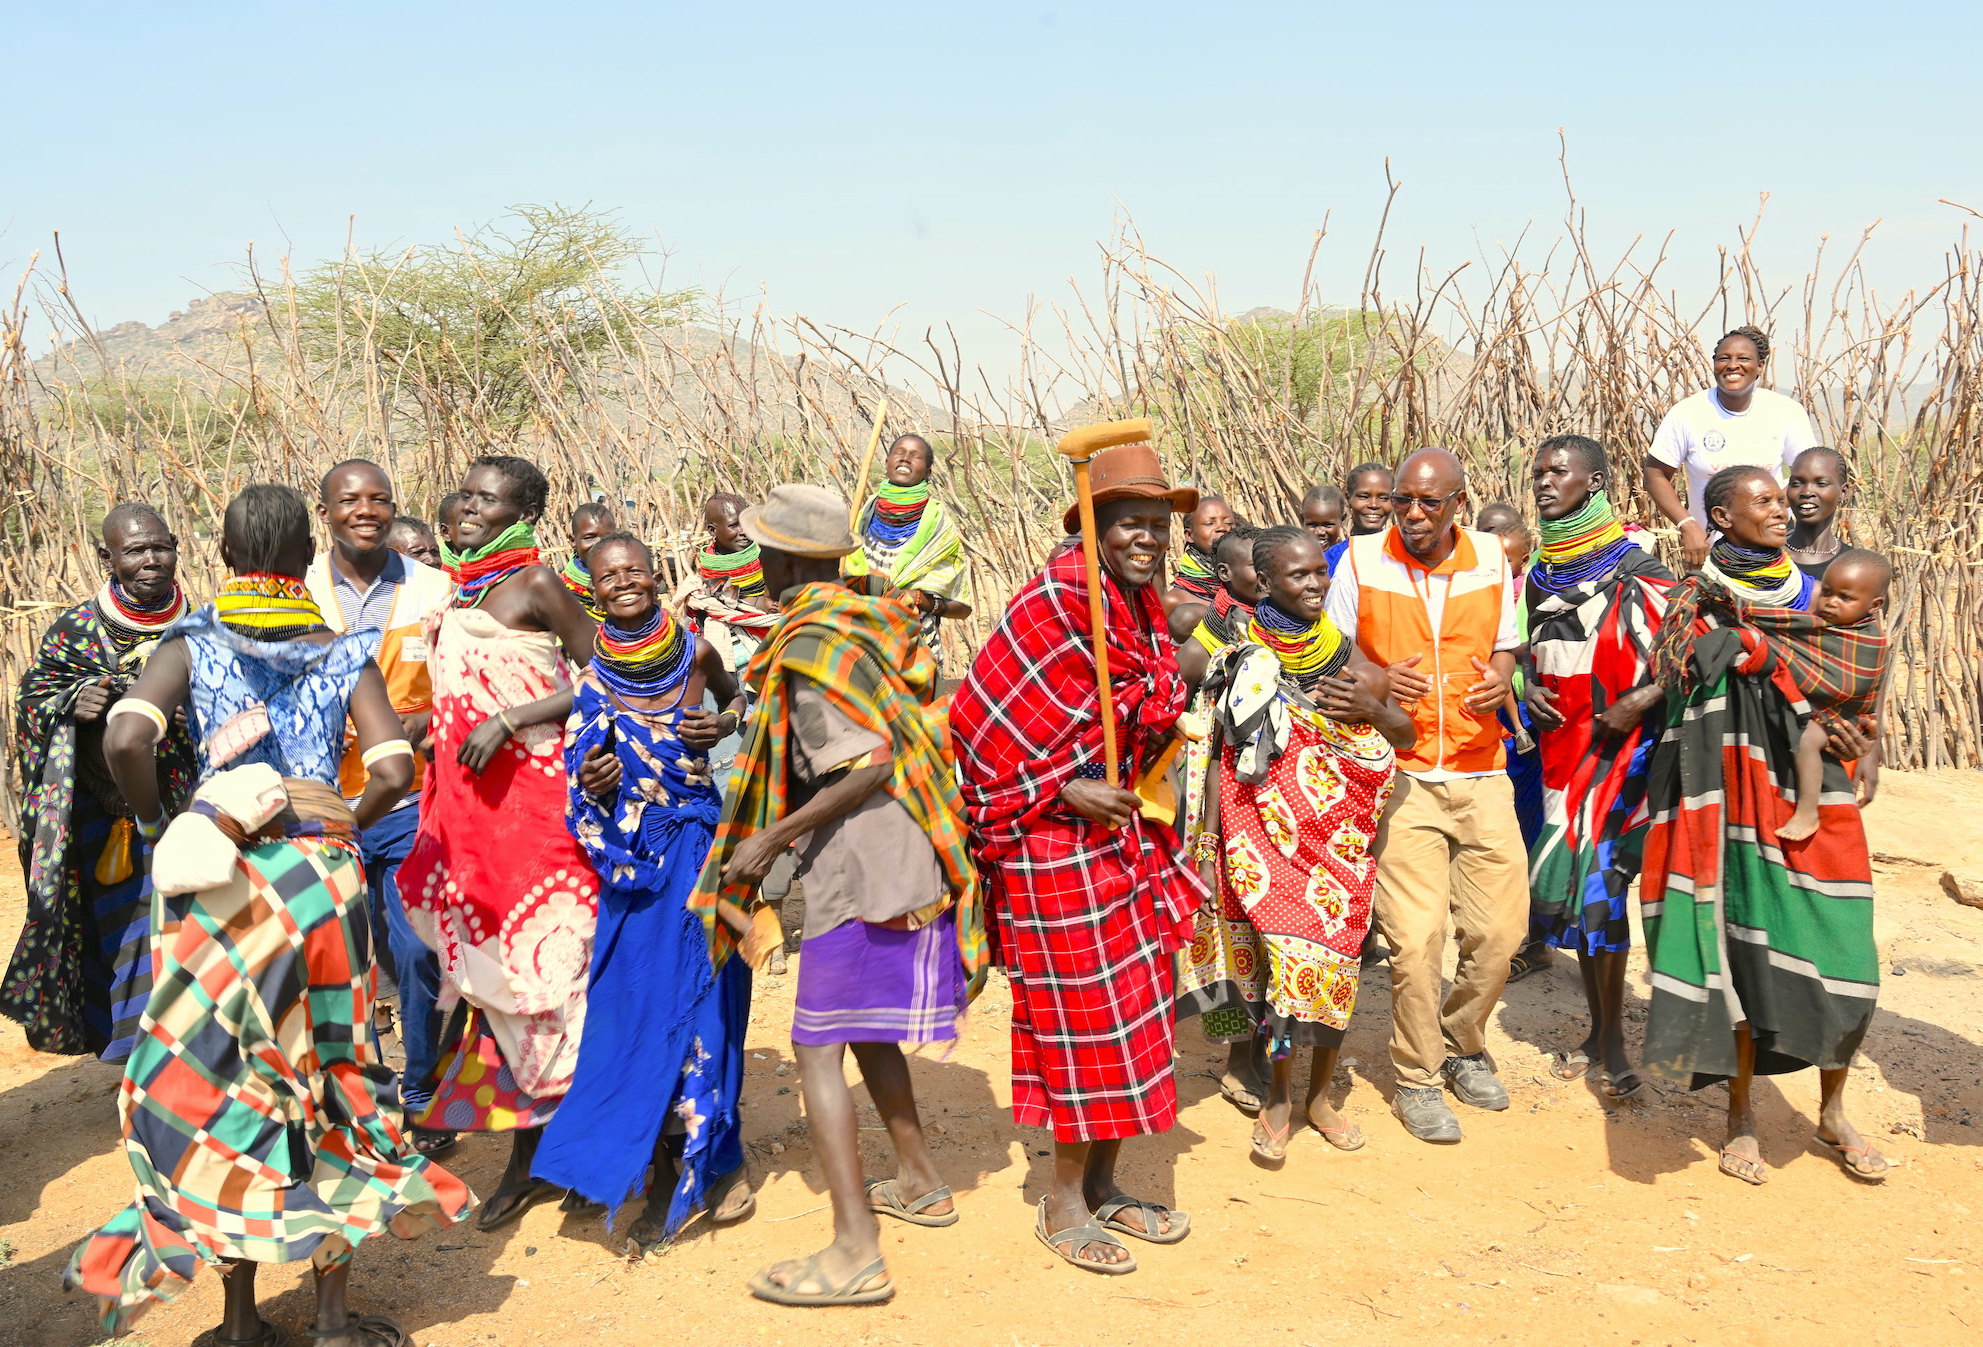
1123	471
805	521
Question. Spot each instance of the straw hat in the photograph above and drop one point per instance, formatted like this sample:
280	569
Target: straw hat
1123	471
804	521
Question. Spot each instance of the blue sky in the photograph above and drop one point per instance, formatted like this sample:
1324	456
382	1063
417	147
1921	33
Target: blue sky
953	159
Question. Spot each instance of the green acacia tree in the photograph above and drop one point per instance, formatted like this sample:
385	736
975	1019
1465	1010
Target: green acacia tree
478	333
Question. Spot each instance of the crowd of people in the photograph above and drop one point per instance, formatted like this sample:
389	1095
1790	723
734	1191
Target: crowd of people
548	815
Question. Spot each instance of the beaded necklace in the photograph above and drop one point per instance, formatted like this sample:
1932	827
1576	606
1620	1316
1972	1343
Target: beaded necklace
1760	575
897	513
137	619
579	581
267	607
741	568
1581	546
481	569
644	661
1309	652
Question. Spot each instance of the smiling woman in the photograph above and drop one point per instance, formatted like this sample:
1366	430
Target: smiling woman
1735	423
1304	741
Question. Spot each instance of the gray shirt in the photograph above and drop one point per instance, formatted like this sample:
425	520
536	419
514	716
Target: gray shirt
873	865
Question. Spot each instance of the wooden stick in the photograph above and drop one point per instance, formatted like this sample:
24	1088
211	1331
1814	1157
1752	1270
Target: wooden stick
1081	446
867	462
1091	553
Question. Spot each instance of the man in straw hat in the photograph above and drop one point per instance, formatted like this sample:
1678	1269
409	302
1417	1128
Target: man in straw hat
841	759
1088	899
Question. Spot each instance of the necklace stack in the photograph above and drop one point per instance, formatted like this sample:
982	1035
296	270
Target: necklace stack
481	569
137	619
1582	546
645	661
1308	651
741	568
267	607
897	513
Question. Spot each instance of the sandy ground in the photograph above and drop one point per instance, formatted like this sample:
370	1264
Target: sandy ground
1561	1220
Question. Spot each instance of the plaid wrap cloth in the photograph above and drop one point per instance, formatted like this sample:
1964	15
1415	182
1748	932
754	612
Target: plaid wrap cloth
1836	670
1085	919
861	650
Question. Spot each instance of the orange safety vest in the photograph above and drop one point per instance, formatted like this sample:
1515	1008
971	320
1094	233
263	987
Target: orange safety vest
402	654
1393	623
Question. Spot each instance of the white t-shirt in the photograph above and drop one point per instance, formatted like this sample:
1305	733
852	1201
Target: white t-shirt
1702	436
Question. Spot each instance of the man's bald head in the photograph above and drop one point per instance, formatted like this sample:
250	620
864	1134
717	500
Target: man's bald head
1431	472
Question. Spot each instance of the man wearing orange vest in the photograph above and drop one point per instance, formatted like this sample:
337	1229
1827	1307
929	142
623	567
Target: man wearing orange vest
362	584
1435	604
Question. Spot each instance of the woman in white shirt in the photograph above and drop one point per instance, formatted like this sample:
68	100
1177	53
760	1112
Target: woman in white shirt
1732	423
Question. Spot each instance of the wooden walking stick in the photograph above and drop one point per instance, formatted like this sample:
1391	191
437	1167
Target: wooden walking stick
1080	446
867	462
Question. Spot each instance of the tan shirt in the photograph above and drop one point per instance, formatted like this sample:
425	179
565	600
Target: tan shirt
873	865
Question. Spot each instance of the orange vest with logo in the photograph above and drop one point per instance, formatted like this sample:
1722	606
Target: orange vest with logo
1393	623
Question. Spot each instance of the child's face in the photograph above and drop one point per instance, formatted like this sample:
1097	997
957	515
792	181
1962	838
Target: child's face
1325	520
1516	544
1847	593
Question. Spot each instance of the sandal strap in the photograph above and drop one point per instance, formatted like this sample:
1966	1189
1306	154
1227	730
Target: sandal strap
1084	1234
891	1195
1151	1211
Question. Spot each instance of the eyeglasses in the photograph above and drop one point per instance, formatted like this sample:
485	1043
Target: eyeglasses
1431	505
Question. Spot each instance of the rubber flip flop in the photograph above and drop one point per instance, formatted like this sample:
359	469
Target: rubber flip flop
885	1198
1352	1136
1753	1171
1573	1065
1076	1236
1241	1098
1268	1149
1522	965
431	1142
1108	1216
522	1198
1845	1154
764	1288
374	1327
1611	1090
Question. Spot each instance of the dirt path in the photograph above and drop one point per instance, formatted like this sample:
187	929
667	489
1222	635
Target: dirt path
1560	1220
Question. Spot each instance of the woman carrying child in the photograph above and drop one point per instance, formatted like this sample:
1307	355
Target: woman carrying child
1761	946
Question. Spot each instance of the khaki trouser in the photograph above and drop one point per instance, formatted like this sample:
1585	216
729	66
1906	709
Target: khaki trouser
1448	847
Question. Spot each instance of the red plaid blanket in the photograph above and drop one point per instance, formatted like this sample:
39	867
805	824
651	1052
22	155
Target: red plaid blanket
1084	919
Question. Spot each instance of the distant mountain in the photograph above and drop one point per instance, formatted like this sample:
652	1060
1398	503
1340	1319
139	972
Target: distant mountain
212	334
209	331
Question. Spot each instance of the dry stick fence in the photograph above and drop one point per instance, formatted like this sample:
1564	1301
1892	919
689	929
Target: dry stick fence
1257	409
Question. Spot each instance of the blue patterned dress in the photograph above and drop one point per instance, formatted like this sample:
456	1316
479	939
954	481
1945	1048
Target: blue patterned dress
663	1034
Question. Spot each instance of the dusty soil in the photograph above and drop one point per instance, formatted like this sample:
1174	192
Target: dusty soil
1561	1220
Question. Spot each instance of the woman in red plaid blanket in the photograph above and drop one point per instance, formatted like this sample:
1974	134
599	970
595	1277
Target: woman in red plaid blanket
1087	900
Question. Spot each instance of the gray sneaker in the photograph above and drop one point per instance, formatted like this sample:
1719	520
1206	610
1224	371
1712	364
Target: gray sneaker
1474	1082
1423	1111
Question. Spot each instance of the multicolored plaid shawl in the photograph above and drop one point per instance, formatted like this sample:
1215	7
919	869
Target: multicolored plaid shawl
1740	924
862	652
1835	669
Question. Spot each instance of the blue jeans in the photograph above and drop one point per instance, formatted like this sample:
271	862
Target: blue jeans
417	968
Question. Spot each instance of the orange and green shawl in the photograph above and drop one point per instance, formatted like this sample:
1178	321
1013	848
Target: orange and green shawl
862	652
